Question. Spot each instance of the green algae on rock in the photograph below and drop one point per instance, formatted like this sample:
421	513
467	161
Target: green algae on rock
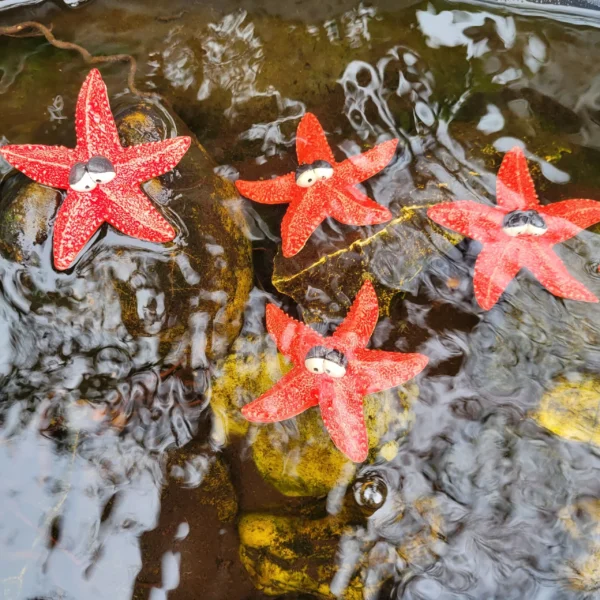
252	367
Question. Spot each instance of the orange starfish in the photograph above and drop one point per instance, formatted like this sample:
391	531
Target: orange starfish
519	232
321	187
334	373
102	177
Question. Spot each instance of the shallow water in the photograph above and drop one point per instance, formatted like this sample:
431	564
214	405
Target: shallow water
127	470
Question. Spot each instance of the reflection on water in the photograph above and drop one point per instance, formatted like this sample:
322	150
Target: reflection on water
127	468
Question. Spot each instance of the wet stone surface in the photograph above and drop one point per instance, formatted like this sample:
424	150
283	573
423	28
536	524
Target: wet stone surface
128	471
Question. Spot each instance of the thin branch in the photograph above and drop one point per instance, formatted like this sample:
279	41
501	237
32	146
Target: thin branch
33	29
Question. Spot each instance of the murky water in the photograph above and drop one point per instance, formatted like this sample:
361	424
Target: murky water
127	469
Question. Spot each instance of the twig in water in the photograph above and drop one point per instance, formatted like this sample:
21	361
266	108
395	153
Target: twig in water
33	29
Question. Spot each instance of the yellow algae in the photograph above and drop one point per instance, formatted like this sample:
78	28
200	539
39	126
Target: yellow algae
391	257
301	459
389	451
218	491
293	554
251	369
571	410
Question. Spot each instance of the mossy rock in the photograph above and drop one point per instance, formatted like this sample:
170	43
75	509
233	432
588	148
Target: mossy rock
390	257
26	209
293	554
297	456
581	520
253	367
299	459
208	275
571	410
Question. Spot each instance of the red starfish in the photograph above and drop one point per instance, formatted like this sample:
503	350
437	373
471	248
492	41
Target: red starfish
519	232
333	372
102	177
321	187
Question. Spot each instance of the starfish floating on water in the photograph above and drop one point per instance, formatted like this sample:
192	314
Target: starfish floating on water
333	372
321	187
518	233
103	178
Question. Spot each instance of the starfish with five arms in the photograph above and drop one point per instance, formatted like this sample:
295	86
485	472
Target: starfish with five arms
519	232
333	372
103	177
321	187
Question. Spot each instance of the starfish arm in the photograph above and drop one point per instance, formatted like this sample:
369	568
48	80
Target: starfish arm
351	207
379	370
280	190
301	219
363	166
471	219
514	186
358	326
94	122
78	218
294	339
495	268
550	271
48	165
145	161
132	213
311	143
342	411
568	218
290	396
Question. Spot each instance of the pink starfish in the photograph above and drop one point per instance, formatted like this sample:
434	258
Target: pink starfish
518	233
333	372
321	187
103	178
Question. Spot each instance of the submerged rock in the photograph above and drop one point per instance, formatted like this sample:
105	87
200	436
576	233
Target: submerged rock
27	209
206	281
570	410
293	554
115	328
391	257
299	458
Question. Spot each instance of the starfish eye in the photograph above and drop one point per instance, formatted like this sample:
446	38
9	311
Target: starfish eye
315	365
335	363
524	222
323	170
80	180
537	225
306	176
101	169
314	360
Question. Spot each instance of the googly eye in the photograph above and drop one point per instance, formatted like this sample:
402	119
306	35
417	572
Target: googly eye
80	180
315	365
323	170
333	369
101	169
536	230
307	178
516	231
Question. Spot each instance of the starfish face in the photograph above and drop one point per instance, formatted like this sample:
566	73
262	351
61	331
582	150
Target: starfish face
321	187
102	177
519	233
333	372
